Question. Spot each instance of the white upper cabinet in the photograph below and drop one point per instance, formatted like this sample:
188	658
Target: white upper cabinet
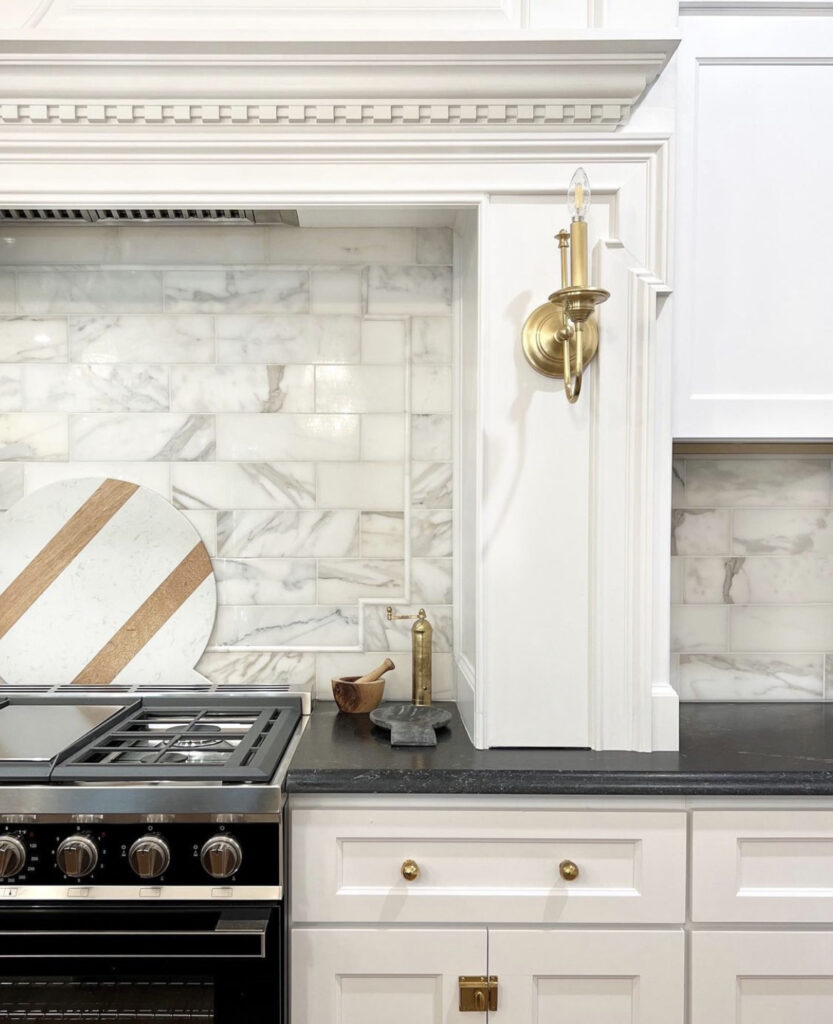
754	221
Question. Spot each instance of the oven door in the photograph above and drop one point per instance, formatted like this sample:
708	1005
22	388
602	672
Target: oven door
120	962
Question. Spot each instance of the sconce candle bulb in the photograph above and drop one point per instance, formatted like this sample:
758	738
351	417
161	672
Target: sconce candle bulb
578	195
578	203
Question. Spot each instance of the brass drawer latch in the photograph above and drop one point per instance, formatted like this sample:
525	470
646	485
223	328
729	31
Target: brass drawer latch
478	993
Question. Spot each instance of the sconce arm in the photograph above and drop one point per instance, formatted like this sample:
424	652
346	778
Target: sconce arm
572	387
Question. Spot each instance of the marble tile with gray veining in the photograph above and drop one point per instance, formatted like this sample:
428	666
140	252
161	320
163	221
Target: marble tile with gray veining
699	627
272	290
29	435
308	534
7	292
285	339
205	523
242	388
431	580
431	389
431	339
360	389
383	437
700	531
431	533
362	485
190	243
11	389
95	388
777	531
11	484
434	245
335	291
383	341
381	635
154	475
286	626
806	627
793	482
274	668
749	677
677	580
58	290
348	579
243	485
265	580
141	339
415	290
803	579
678	483
353	245
281	437
382	534
26	339
155	437
431	437
431	484
716	581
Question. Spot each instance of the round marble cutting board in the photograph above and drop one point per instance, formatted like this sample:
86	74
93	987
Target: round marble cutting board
102	581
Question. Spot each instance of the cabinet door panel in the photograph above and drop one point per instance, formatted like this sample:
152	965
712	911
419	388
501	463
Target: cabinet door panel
595	977
376	976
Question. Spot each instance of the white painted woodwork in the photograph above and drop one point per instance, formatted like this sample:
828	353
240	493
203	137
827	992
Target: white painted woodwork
762	866
592	977
762	977
477	865
379	976
752	319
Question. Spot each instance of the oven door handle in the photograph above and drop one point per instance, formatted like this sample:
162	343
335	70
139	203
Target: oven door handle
237	933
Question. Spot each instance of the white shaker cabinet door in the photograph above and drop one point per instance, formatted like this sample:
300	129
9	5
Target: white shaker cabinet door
762	978
588	977
381	976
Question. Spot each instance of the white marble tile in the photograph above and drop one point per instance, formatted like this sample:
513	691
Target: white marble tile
794	482
431	389
243	485
431	339
53	387
397	681
379	634
272	290
57	290
383	341
678	483
11	483
781	628
362	485
750	677
417	290
383	437
802	579
431	484
155	437
700	531
141	339
242	388
7	293
265	580
782	531
715	581
348	579
32	339
699	628
382	534
189	243
431	437
359	389
278	437
11	388
336	291
431	580
205	523
307	534
434	245
25	435
677	579
340	245
285	625
38	244
288	339
271	667
154	475
431	533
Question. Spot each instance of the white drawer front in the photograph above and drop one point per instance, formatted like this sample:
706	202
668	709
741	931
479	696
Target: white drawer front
482	866
762	866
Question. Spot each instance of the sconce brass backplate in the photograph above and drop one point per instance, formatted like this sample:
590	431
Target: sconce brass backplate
543	352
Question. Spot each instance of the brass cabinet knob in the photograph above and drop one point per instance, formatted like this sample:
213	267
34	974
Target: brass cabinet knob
568	870
410	870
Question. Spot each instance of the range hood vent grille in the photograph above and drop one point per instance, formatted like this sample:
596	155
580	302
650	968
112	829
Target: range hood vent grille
133	215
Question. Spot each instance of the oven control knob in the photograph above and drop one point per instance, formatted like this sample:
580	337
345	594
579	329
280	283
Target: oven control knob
77	856
149	856
221	856
12	856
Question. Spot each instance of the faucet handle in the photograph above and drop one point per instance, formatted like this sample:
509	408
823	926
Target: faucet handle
390	616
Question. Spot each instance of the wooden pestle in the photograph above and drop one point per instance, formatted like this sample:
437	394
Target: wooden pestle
377	673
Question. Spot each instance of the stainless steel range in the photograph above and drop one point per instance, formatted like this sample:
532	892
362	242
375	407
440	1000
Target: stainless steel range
141	855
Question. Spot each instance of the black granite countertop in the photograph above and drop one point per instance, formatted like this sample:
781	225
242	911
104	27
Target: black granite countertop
739	749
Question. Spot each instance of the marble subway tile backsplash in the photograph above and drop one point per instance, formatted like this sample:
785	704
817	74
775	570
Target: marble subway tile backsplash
289	390
752	578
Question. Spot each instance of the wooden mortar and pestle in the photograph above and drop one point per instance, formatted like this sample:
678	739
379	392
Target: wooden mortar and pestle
359	694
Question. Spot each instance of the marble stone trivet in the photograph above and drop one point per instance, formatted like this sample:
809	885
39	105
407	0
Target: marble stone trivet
410	726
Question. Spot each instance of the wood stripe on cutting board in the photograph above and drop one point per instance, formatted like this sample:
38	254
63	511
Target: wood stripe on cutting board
66	545
148	619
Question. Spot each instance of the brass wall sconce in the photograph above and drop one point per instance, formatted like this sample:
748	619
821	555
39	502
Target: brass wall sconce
561	337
